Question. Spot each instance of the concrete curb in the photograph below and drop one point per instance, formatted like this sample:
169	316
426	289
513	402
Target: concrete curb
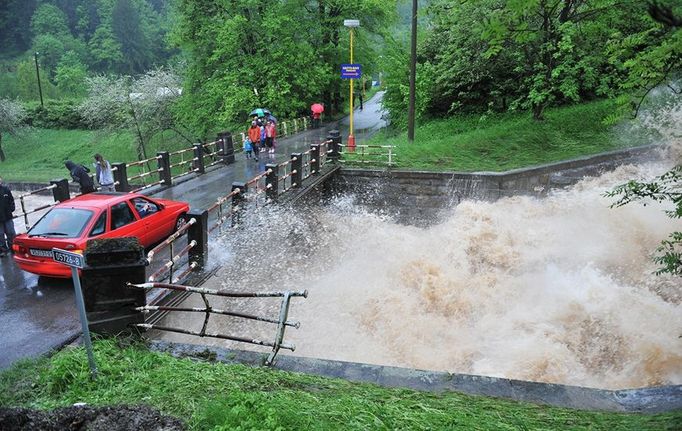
644	400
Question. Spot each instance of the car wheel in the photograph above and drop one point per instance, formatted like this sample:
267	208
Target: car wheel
180	222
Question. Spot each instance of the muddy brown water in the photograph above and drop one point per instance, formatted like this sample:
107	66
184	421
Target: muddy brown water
559	289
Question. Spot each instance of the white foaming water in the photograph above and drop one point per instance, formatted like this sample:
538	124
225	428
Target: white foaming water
557	290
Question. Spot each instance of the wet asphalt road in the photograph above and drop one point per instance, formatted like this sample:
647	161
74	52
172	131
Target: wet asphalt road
38	314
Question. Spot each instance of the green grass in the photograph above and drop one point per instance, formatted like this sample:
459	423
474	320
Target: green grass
480	143
39	154
473	143
219	397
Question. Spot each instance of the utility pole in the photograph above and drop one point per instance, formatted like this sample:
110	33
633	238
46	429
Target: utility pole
40	88
413	74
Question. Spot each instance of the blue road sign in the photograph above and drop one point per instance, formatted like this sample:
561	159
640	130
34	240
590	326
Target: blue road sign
351	71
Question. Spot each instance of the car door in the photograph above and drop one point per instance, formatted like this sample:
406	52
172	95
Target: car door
151	215
124	223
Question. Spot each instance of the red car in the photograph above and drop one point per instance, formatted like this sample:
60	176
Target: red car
70	224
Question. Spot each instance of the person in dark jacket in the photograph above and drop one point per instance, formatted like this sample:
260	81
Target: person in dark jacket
79	173
7	232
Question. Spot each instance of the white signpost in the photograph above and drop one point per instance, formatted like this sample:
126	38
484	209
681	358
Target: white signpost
76	261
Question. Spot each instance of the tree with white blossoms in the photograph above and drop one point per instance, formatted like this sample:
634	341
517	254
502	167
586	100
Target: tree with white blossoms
142	106
12	116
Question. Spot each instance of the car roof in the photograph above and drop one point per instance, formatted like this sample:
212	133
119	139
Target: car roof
97	200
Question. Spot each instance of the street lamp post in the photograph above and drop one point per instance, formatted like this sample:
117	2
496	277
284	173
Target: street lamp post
351	24
40	88
413	74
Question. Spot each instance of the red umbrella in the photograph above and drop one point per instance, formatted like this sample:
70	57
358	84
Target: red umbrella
317	108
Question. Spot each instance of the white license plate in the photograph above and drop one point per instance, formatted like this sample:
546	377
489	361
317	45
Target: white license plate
40	253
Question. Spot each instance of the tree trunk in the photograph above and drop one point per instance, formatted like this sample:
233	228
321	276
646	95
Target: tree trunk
2	152
538	111
141	149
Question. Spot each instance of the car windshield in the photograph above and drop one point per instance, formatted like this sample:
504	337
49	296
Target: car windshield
62	223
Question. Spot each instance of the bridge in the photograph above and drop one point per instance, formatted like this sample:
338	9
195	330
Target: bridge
39	313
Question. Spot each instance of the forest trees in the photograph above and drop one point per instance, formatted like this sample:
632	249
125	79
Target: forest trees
288	51
526	55
91	36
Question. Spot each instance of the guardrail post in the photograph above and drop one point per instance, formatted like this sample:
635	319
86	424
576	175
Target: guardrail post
164	164
199	159
335	137
238	202
296	169
314	159
221	147
227	146
110	264
199	233
61	193
121	177
272	181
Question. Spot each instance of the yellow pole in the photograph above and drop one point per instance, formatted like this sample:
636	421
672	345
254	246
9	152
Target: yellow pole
351	83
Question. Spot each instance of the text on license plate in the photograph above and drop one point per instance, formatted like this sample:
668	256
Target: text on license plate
40	253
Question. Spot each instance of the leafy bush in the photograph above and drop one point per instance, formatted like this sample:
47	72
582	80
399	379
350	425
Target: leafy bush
56	114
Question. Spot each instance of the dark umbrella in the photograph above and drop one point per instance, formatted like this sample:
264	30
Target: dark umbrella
272	118
317	108
258	111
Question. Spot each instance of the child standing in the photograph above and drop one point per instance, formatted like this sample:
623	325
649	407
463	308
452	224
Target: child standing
248	149
263	136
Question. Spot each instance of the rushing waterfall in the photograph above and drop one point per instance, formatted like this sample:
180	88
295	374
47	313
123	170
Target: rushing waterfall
559	289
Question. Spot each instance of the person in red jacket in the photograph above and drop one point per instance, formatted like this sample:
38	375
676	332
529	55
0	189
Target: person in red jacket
254	137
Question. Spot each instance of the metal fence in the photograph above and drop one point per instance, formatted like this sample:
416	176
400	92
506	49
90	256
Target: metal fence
368	154
172	255
281	321
33	207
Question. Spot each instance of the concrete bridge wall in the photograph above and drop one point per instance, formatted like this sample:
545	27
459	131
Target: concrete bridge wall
420	195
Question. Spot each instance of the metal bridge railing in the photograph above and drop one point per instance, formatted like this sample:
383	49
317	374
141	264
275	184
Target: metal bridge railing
166	270
30	208
225	209
291	127
363	154
182	162
282	321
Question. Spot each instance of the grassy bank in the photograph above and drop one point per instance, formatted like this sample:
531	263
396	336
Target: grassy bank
219	396
474	143
498	143
39	154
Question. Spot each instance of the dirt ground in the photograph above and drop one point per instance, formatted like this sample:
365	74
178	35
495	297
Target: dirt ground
117	418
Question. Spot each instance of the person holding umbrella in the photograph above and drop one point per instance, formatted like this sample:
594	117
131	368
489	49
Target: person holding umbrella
317	110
